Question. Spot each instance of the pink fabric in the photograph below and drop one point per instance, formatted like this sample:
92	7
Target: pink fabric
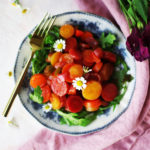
131	129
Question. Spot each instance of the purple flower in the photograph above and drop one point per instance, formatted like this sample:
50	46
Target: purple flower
138	43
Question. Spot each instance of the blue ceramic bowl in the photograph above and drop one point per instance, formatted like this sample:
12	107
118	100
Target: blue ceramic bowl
96	25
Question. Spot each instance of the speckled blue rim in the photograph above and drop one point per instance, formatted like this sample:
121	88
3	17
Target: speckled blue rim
76	133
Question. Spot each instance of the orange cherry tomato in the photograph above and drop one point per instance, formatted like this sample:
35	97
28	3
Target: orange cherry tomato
92	91
75	71
38	80
55	101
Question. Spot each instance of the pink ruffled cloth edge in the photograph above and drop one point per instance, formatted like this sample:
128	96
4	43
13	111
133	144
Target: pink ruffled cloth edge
105	137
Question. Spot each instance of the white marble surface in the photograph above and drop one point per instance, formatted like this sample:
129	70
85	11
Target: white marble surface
14	26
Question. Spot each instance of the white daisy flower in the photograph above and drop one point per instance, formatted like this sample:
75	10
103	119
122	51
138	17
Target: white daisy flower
59	45
47	107
79	83
86	69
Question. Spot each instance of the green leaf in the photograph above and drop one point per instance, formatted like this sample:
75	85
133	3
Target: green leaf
36	96
75	118
107	41
142	8
38	61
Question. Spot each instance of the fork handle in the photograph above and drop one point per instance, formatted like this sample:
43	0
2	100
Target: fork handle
17	86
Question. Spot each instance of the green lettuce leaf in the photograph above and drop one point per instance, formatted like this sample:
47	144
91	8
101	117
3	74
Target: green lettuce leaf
36	96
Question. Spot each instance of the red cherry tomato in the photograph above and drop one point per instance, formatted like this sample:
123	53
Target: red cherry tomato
76	55
97	67
71	43
92	76
78	33
38	80
110	56
46	93
98	52
74	104
72	90
109	92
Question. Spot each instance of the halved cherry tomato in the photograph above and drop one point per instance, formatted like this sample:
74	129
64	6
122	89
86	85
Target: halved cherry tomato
87	57
72	90
59	87
63	101
106	71
55	58
76	55
55	101
95	58
92	105
74	104
67	31
56	72
99	52
109	92
46	93
71	43
78	33
38	80
67	58
110	56
75	71
97	67
86	35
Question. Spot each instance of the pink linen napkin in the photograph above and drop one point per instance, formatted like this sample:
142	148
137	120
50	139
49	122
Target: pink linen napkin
131	129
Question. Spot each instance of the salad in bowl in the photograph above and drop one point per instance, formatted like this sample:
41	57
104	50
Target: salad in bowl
82	79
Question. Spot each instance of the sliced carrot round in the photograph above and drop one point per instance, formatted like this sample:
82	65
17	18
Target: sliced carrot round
67	31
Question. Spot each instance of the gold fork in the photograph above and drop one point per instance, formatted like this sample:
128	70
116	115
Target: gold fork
36	43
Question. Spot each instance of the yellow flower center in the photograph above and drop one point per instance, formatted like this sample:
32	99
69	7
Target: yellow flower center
24	11
60	46
79	83
14	4
47	107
